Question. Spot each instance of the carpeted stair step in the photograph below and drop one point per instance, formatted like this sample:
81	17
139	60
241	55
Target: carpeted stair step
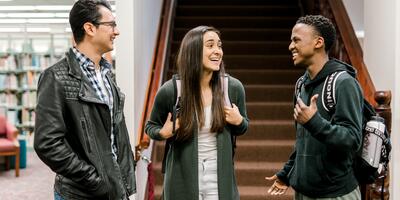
247	173
235	22
237	2
238	34
260	193
250	62
267	76
270	110
270	130
259	150
248	193
254	173
263	150
275	93
253	61
248	47
236	10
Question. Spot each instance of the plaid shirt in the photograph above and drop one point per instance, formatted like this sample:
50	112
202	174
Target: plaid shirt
88	68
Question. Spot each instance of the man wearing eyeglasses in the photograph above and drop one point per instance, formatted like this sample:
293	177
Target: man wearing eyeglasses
80	130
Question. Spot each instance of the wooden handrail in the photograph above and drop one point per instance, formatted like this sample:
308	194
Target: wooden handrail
353	48
155	74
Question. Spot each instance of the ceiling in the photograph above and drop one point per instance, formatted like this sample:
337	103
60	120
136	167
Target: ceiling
36	2
36	17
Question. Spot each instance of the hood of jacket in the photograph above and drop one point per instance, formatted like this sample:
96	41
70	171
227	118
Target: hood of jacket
331	66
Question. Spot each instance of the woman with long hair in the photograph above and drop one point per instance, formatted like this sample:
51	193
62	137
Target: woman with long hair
199	161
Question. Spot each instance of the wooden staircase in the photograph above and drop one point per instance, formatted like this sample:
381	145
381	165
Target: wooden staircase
255	36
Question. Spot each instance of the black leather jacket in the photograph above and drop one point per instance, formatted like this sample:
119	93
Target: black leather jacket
72	135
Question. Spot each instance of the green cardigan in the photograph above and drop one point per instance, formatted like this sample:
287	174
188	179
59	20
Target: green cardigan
181	170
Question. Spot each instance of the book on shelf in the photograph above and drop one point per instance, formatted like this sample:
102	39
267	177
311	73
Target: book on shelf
19	74
12	117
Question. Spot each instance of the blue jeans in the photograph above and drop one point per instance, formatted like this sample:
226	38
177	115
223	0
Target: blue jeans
57	196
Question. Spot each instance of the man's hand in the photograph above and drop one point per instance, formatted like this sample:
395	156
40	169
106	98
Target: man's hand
302	112
278	188
166	130
232	115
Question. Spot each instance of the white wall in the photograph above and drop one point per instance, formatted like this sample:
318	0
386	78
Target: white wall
138	23
395	175
124	63
381	54
356	15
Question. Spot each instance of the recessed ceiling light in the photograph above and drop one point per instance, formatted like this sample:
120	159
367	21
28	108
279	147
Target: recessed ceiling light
37	8
10	30
34	21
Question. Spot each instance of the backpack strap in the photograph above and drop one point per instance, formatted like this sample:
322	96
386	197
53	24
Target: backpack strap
328	91
177	106
227	102
225	90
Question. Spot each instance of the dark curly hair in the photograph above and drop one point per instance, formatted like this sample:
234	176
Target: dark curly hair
323	26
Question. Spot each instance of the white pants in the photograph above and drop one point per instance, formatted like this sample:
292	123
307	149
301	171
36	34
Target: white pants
208	180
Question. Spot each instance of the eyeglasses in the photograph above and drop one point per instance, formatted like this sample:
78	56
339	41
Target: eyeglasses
112	24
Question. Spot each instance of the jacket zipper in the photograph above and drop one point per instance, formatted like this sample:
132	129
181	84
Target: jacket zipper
87	136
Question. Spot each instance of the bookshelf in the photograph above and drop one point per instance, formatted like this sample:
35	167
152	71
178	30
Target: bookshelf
19	73
22	59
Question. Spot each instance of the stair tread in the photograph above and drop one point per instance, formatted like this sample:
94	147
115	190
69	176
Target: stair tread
236	6
242	165
271	122
294	70
291	86
245	190
256	190
256	56
250	42
258	165
270	103
225	29
264	143
229	18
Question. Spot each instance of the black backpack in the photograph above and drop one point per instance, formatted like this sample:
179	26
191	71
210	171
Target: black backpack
363	170
177	107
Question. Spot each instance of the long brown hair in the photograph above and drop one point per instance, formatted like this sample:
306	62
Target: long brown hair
190	69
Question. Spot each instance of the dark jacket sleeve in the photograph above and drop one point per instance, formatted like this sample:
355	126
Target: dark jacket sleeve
50	134
159	112
283	174
343	132
238	97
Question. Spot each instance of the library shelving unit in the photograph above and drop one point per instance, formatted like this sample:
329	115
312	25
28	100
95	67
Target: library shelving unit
19	73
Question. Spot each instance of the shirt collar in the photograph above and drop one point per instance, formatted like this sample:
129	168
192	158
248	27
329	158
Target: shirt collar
88	64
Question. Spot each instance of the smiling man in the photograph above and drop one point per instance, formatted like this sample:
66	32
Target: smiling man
80	128
320	166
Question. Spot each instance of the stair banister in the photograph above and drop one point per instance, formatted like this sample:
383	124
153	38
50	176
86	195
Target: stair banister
156	72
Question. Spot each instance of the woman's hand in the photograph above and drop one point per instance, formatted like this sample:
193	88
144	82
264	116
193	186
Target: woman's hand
166	131
232	115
